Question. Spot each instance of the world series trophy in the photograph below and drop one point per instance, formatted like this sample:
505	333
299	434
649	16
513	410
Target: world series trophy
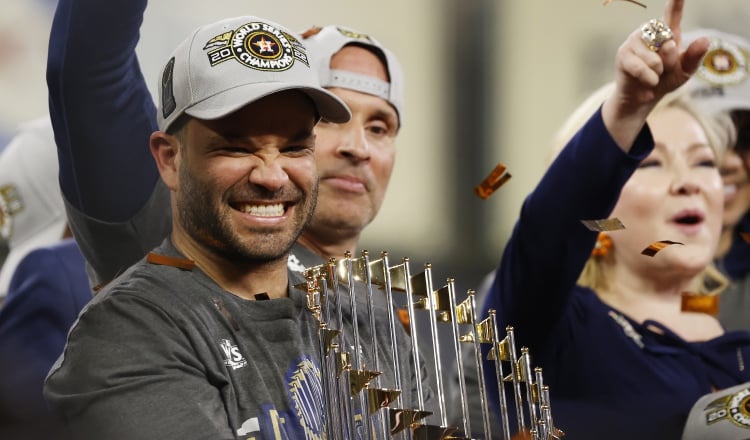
370	391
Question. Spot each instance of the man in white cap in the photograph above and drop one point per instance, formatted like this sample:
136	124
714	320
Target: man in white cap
32	213
44	279
722	83
181	345
355	160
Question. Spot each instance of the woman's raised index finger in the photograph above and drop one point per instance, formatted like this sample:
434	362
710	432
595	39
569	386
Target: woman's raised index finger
673	14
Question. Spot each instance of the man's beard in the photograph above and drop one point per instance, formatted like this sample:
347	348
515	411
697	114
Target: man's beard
207	220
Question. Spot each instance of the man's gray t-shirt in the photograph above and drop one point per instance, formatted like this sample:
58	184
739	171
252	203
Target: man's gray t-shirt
164	352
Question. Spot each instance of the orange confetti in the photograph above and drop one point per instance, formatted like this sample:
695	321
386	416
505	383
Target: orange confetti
403	316
745	236
180	263
655	247
702	303
522	435
312	31
491	183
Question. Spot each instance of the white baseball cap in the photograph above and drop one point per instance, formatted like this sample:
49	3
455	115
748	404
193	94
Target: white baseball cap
325	42
226	65
722	415
32	213
722	81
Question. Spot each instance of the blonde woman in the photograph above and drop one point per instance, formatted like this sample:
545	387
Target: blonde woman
621	356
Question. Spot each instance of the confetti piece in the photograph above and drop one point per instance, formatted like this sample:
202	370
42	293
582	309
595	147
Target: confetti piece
163	260
606	2
403	316
655	247
745	236
522	435
495	180
608	224
312	31
702	303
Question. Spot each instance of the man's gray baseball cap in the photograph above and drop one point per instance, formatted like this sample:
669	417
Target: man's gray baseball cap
224	66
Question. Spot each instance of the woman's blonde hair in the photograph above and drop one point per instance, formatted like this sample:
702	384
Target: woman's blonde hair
721	135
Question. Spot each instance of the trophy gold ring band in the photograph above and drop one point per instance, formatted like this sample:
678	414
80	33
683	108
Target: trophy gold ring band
655	33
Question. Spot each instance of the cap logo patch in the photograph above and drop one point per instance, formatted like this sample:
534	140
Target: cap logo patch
735	407
167	91
355	35
257	45
724	64
10	205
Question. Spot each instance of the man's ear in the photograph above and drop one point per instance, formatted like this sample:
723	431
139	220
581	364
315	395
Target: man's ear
166	151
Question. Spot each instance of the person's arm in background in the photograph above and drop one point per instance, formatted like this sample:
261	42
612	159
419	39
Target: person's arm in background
103	114
549	245
47	291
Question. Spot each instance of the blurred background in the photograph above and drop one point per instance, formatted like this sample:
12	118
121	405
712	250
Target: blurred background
487	81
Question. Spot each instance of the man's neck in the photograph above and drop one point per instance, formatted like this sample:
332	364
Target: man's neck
328	249
244	279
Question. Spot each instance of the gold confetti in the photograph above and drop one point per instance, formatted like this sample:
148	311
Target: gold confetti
607	224
655	247
606	2
491	183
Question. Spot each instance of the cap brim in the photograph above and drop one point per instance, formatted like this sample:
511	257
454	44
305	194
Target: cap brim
329	106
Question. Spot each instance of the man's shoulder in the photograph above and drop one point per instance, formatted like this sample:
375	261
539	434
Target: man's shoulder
58	268
64	255
148	280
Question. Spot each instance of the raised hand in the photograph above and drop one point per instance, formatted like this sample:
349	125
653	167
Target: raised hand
649	64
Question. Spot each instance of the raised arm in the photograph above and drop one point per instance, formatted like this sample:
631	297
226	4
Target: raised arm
644	75
549	245
103	114
101	109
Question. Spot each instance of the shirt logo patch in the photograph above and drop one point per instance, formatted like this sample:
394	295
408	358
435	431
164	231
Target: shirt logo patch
232	356
294	264
627	328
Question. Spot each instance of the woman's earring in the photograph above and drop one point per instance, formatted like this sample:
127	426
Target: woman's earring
602	246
